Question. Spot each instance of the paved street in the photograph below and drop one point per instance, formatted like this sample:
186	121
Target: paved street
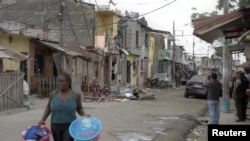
117	117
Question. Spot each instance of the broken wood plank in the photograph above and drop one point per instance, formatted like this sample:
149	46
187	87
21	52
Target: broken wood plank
101	98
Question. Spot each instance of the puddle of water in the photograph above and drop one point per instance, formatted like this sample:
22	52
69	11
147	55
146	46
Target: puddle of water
133	136
158	122
172	118
161	129
168	118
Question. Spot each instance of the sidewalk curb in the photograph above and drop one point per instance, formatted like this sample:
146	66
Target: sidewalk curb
181	128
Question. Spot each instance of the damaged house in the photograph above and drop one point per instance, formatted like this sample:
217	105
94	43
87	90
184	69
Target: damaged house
32	28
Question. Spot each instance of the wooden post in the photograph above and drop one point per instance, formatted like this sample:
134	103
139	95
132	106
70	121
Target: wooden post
88	76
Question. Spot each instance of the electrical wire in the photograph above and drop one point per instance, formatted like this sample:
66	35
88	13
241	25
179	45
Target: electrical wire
20	35
142	3
85	18
72	25
157	9
12	5
101	16
13	19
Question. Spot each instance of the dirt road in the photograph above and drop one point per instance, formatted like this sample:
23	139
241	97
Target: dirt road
126	121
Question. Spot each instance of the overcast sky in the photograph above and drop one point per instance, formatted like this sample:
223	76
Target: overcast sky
179	11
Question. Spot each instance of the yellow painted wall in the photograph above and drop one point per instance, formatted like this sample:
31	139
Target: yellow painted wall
151	54
107	18
19	44
131	58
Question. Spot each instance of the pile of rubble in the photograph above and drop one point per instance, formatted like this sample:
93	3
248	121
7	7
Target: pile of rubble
122	94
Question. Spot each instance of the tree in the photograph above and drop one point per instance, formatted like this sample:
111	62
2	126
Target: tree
233	5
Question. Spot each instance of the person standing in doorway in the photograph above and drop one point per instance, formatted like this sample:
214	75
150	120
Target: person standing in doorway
63	105
239	93
213	96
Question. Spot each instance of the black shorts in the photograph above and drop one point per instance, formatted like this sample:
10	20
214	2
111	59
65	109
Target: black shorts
60	132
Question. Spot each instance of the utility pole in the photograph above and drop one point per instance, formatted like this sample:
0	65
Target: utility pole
225	91
174	50
207	57
193	53
60	19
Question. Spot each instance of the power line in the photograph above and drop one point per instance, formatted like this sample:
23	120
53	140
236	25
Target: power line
183	25
72	26
12	4
20	36
85	18
98	8
145	3
158	8
101	16
142	3
13	19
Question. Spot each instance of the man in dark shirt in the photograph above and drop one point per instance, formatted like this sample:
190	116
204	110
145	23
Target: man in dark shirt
213	97
239	93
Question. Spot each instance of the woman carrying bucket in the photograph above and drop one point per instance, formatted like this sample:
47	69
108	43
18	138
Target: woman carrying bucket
62	104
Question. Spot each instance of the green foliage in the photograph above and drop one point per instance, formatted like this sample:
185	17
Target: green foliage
233	5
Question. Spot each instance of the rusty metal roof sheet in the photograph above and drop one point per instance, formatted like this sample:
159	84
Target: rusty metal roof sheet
72	50
4	56
84	53
209	29
8	54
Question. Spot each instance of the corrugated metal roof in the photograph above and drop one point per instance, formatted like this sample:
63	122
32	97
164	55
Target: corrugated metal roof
4	56
72	50
7	54
84	53
209	29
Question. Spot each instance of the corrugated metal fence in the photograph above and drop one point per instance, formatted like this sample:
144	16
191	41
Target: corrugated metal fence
11	90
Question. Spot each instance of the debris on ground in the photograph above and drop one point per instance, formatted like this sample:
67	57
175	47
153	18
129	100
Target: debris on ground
133	136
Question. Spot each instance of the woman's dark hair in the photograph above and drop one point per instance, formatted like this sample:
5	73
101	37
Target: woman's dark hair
247	70
241	74
214	76
67	76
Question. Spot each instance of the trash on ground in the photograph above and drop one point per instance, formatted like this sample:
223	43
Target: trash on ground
168	118
158	122
133	136
121	100
161	133
161	129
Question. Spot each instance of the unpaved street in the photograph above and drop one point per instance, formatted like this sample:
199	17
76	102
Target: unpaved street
147	118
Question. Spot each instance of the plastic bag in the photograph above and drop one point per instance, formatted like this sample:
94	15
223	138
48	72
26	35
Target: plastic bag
25	88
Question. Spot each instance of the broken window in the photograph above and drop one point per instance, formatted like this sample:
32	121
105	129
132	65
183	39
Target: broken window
137	38
146	40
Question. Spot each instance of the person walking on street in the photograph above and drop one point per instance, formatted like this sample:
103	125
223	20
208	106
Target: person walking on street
213	95
239	93
63	105
177	79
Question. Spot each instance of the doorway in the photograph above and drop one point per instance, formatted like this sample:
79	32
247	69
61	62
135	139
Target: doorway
24	66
